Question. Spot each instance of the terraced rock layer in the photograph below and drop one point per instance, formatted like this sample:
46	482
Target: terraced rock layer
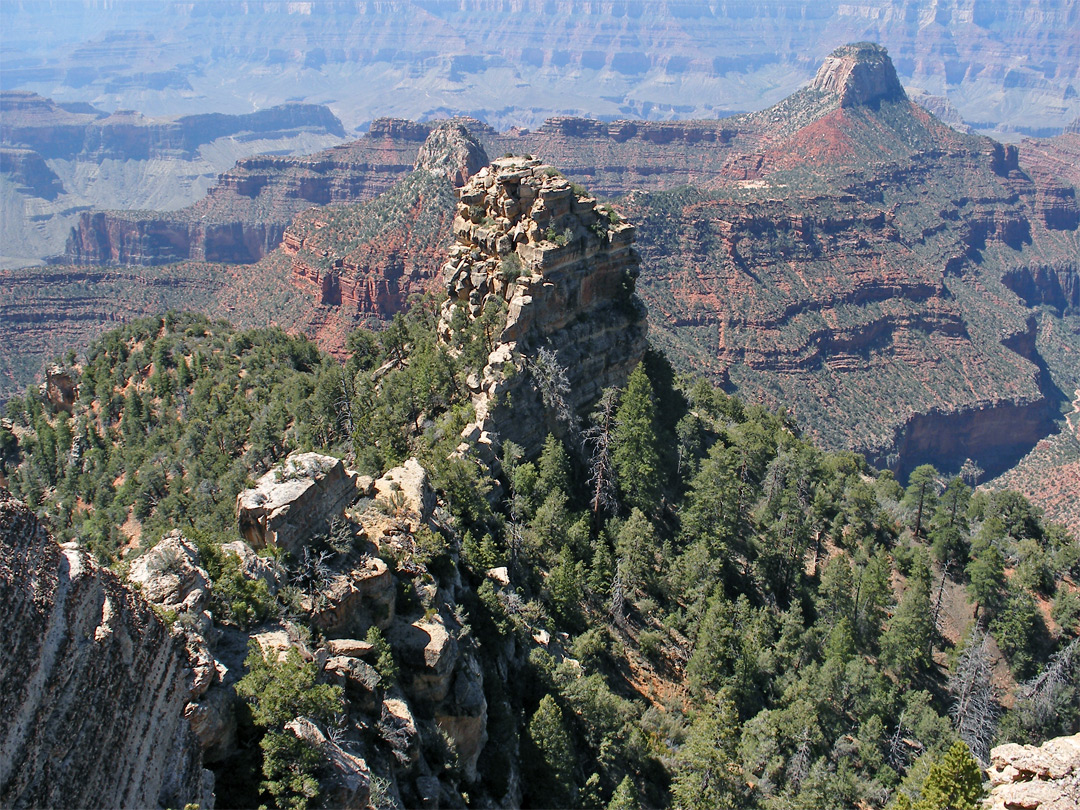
244	217
71	630
1007	62
876	276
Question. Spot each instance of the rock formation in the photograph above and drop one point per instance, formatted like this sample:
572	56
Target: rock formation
1026	777
245	216
294	500
860	275
859	74
92	684
452	152
532	244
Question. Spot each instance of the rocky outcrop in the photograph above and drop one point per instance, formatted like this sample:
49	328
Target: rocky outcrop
368	258
859	74
169	575
60	388
1054	285
451	152
294	500
146	238
408	489
349	784
92	684
1026	777
30	173
355	599
530	243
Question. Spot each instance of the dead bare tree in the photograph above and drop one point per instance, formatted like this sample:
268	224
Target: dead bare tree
975	706
601	466
1039	697
554	387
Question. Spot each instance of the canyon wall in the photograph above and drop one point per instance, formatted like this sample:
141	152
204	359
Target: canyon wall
92	684
52	131
1010	63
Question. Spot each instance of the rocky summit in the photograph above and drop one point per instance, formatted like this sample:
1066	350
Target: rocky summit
554	273
859	74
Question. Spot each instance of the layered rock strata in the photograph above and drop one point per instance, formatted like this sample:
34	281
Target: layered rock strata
366	259
531	244
92	685
245	215
55	132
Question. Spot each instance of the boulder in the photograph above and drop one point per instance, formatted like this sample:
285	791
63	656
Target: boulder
428	653
349	784
205	669
268	569
352	647
274	643
1026	777
407	489
295	500
357	599
60	388
169	576
360	680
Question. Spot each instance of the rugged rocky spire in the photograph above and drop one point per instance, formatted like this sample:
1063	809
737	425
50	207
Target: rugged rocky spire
452	152
859	74
532	245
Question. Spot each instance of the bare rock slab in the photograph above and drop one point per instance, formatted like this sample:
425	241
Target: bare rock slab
295	500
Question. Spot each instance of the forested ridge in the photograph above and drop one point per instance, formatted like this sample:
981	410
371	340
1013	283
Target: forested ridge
735	617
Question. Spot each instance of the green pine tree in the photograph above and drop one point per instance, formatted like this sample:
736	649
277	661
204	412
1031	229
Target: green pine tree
707	773
954	782
637	456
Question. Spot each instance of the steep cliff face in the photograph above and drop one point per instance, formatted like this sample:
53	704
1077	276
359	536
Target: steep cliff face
133	238
529	243
30	173
859	74
92	685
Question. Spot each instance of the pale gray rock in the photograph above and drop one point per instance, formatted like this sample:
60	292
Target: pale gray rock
92	684
295	500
